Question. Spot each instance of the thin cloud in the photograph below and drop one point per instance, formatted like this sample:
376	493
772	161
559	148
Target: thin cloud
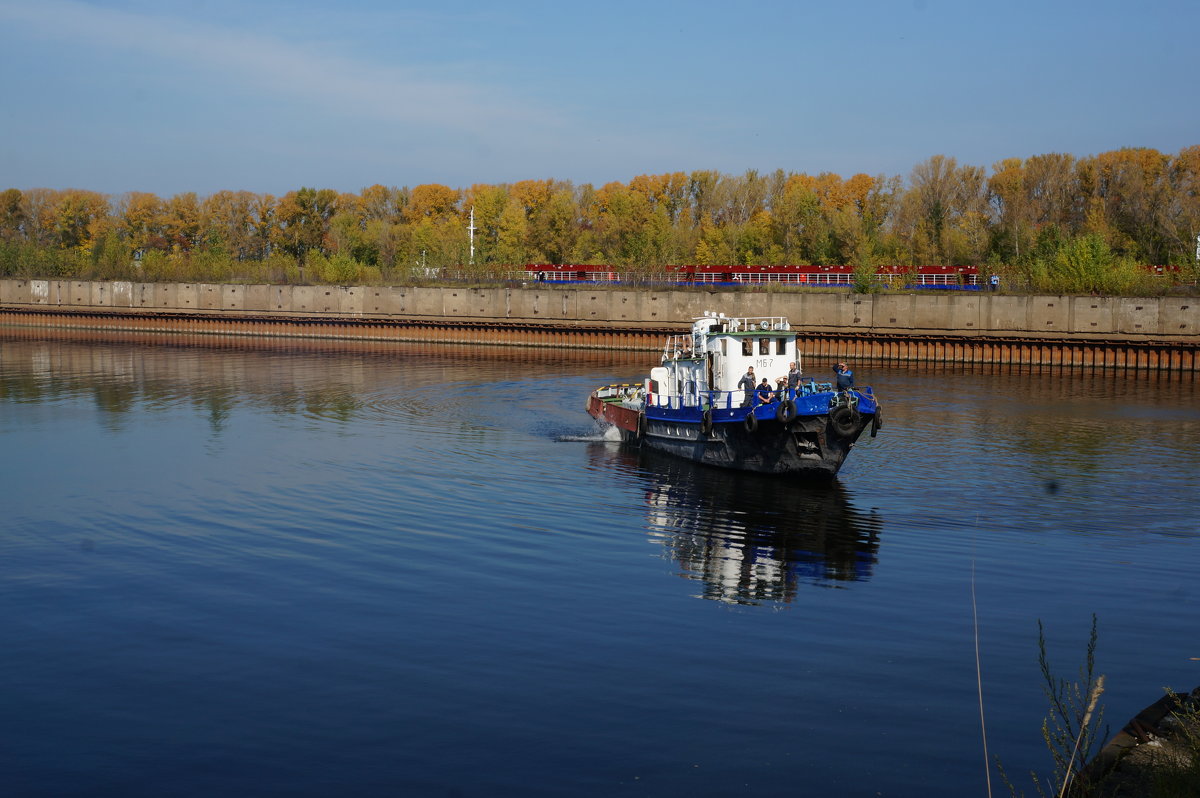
337	84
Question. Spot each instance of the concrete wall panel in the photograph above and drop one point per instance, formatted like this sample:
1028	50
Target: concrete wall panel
122	294
209	296
1179	316
830	311
305	298
233	297
188	297
257	298
944	312
16	292
350	299
281	298
101	294
39	292
624	306
1092	315
59	292
1005	314
1136	316
1049	315
457	303
393	300
168	296
426	303
865	312
656	309
79	294
594	305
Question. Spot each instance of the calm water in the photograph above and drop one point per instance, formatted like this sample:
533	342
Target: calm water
303	569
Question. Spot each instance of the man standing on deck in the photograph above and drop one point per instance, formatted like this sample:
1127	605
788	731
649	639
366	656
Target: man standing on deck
746	383
793	380
845	377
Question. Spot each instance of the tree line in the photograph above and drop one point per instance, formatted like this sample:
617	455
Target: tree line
1048	222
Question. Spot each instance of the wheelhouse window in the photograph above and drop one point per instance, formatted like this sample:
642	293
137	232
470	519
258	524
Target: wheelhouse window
781	346
747	347
764	346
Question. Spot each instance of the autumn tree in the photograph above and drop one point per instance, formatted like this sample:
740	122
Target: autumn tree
302	219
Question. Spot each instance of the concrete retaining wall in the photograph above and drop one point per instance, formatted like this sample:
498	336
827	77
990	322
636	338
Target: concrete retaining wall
1107	318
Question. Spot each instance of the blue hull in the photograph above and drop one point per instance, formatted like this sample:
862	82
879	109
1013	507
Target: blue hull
806	443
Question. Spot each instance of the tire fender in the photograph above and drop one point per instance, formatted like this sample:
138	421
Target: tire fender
843	420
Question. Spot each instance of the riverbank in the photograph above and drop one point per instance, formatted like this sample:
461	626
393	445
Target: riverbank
1161	333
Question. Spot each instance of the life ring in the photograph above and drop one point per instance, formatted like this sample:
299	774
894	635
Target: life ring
877	421
750	422
641	425
706	423
843	421
786	411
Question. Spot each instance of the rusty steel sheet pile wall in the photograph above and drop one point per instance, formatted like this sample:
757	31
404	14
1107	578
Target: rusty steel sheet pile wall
967	327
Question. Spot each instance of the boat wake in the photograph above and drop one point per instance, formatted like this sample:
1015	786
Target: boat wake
609	434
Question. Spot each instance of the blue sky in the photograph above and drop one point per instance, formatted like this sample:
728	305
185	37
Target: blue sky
169	97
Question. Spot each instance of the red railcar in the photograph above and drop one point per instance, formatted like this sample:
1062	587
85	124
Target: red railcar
946	276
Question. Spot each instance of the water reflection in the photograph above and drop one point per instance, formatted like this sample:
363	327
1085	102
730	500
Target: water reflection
337	381
747	538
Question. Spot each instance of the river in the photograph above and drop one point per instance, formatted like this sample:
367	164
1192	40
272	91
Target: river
270	568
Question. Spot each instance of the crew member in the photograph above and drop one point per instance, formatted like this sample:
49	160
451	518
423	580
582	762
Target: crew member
845	377
746	383
764	392
793	379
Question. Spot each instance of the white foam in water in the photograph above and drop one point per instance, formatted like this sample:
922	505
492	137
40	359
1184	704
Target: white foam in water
608	434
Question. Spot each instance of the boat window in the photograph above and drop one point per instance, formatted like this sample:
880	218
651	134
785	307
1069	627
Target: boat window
764	346
723	352
747	346
781	346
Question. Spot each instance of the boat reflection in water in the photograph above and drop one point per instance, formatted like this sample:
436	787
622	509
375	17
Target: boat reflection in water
751	539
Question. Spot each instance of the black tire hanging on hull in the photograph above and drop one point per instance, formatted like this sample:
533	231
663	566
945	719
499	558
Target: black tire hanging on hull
843	421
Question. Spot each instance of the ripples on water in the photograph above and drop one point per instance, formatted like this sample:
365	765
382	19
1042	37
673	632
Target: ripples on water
297	568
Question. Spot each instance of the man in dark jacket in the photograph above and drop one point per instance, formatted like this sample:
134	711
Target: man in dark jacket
845	377
764	392
746	383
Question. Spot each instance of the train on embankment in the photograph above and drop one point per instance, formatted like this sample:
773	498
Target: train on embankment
960	278
969	327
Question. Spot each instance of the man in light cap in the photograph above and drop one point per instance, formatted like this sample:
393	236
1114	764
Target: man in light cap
845	377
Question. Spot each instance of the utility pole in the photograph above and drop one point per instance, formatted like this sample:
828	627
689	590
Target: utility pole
471	236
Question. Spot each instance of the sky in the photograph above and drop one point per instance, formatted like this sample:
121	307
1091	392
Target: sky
210	95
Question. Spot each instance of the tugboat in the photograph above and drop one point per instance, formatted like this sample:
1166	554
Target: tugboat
696	405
